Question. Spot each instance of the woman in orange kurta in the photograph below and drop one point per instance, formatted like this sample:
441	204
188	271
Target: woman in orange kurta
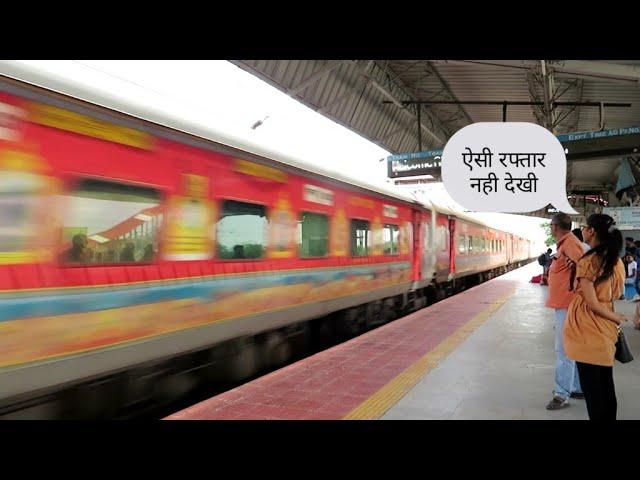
591	330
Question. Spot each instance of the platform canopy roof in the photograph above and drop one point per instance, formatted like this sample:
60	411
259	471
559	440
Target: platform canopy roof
376	99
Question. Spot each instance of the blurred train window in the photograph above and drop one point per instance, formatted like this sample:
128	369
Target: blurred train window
108	222
313	235
242	230
462	244
391	233
360	238
19	199
428	237
444	238
469	244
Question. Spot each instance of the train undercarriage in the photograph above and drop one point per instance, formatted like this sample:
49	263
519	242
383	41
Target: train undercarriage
158	388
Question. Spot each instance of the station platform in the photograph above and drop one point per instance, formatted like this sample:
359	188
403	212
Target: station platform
486	353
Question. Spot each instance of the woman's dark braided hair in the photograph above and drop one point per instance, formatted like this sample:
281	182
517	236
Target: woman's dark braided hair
610	239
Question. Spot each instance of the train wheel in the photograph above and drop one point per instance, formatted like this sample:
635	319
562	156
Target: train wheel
323	331
375	314
276	350
234	361
352	321
174	385
389	310
432	295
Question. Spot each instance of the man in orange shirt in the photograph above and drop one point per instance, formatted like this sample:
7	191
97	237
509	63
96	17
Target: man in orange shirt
568	247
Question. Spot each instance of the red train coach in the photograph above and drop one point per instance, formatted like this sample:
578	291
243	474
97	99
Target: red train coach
127	247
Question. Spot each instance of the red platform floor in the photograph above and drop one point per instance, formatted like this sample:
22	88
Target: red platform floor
364	377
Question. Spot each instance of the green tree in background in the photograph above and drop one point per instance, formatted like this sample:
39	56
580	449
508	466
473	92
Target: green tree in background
547	230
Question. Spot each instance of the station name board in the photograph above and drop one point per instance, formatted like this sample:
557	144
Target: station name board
579	145
415	164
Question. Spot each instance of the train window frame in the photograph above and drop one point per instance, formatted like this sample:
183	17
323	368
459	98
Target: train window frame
351	237
447	238
470	244
72	184
428	237
299	227
477	244
220	208
462	244
443	237
21	221
396	244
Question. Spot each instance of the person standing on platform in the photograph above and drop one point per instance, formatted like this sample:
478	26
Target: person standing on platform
545	260
591	330
630	246
578	233
632	268
636	284
569	250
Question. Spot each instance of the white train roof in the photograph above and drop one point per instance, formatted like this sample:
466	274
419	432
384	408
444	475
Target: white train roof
43	78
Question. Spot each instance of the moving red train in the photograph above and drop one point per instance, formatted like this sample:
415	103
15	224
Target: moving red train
141	255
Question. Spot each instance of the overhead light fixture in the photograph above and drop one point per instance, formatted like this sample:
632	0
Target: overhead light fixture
258	123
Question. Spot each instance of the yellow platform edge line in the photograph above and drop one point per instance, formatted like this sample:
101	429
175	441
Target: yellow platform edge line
385	398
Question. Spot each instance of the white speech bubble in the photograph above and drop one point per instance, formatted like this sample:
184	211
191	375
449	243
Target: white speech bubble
491	151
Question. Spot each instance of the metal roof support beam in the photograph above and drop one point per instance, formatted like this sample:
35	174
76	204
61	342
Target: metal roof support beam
434	120
431	68
549	93
349	91
580	87
522	64
375	77
573	89
533	80
325	108
598	69
390	96
580	68
314	77
392	133
511	102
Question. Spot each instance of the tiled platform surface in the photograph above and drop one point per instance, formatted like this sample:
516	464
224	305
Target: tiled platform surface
505	369
486	353
361	378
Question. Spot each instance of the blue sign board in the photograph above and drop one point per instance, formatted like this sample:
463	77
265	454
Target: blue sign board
614	132
626	218
428	163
